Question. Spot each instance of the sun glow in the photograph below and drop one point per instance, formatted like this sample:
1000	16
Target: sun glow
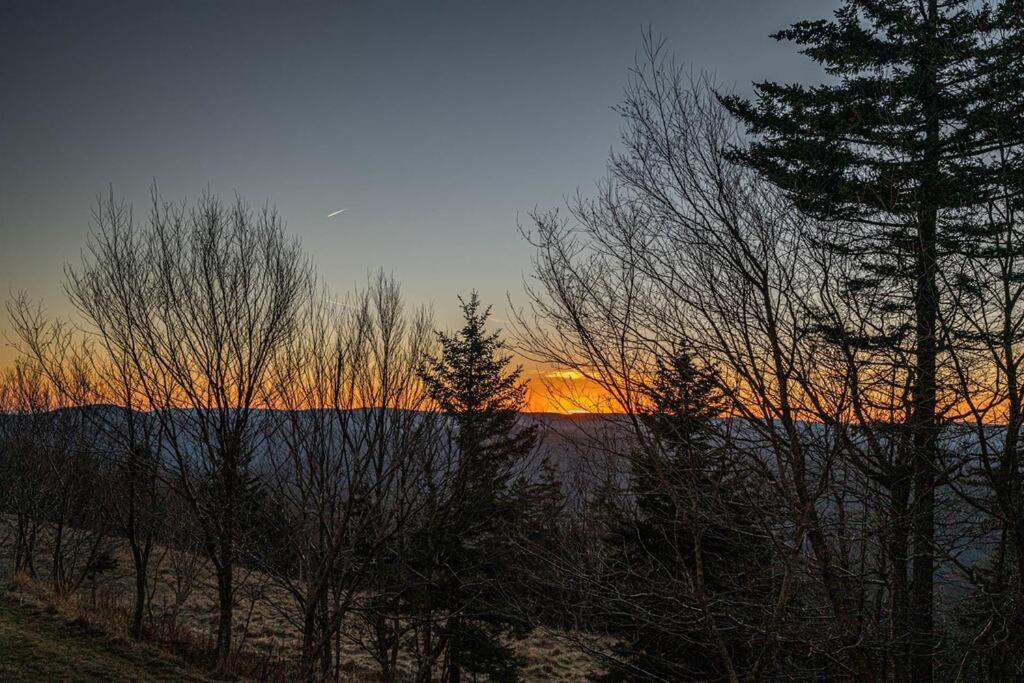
565	374
568	392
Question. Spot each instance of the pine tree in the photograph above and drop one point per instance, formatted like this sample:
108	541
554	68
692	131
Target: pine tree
481	395
686	535
903	142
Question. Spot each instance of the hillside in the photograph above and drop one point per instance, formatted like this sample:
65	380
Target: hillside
38	645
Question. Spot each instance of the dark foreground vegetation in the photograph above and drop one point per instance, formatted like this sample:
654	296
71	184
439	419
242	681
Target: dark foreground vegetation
806	310
39	644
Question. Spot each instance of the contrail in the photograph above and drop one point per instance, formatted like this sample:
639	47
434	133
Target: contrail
332	215
342	304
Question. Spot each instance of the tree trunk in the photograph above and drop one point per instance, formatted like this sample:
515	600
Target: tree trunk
58	558
923	421
454	672
139	609
309	626
898	547
925	457
225	598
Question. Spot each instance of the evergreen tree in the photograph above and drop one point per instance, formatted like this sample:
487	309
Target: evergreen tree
474	386
685	543
907	141
541	530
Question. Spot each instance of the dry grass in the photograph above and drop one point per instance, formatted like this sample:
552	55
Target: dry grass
183	618
40	642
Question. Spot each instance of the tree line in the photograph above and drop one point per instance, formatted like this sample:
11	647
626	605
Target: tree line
805	308
223	404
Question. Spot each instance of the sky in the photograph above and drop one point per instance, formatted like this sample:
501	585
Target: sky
437	125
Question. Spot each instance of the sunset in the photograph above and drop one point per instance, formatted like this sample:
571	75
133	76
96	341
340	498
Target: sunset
575	340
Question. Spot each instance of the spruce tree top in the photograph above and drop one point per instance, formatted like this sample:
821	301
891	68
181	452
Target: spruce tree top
471	374
921	97
473	381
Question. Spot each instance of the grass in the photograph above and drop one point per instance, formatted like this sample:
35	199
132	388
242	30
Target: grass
37	644
83	637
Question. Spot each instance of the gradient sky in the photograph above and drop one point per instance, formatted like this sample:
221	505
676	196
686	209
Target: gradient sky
434	123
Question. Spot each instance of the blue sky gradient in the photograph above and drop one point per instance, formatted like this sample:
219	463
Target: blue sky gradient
434	124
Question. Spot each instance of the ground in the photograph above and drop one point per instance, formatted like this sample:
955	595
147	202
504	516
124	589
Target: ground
39	645
183	619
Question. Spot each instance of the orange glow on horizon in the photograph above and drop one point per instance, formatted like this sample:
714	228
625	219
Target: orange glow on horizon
566	392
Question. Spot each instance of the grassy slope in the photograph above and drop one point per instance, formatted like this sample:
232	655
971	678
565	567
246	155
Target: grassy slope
36	645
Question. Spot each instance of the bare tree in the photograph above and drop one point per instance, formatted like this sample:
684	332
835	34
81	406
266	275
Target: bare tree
349	401
681	243
26	404
94	374
195	305
984	337
57	457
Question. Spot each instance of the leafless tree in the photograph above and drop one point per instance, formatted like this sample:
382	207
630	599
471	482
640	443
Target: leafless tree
91	372
681	243
179	564
195	305
984	337
27	405
57	457
348	423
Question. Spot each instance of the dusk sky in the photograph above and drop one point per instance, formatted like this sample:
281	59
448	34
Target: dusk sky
434	124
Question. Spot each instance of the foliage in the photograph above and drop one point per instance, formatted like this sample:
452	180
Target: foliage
466	549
